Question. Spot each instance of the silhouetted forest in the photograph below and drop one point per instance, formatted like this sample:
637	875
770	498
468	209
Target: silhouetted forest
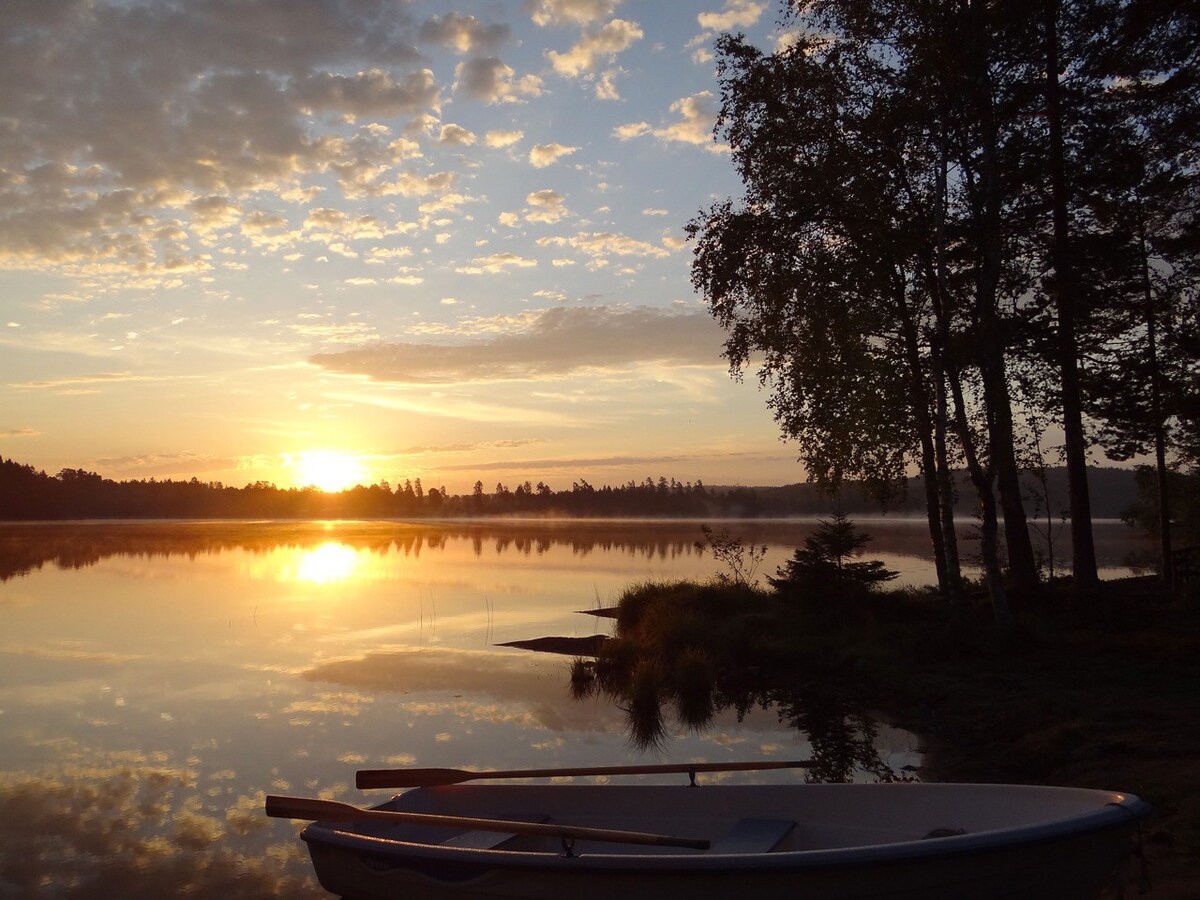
29	494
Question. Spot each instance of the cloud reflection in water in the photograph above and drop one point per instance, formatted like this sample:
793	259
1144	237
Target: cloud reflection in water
140	832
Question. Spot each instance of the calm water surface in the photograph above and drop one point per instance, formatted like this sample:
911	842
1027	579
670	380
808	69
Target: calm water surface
157	680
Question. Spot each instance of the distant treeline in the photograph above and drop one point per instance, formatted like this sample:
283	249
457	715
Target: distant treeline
29	494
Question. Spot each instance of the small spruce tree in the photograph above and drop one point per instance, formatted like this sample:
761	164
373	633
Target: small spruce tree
825	566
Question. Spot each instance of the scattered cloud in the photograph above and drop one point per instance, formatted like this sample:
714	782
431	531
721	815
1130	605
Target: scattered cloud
697	116
606	86
445	203
19	432
543	155
77	380
463	34
603	244
466	447
736	14
501	139
596	44
155	465
488	79
371	93
545	206
135	126
546	343
497	263
456	136
571	12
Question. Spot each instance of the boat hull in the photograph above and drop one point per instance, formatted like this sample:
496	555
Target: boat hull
1063	857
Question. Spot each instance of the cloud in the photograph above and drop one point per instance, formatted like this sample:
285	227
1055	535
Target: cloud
595	44
603	244
497	263
659	462
543	155
697	118
151	465
466	446
606	88
736	14
19	432
455	135
463	34
631	130
407	184
500	139
120	113
573	12
546	343
444	204
76	380
370	93
545	206
330	225
488	79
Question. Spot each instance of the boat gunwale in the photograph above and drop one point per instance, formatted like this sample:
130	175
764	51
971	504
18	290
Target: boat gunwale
1123	812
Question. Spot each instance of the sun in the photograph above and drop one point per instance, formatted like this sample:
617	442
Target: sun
328	470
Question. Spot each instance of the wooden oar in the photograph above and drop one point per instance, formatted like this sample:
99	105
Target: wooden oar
333	811
402	778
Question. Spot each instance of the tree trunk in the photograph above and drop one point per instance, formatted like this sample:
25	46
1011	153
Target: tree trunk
1167	562
918	397
939	281
1066	291
945	485
981	479
1021	561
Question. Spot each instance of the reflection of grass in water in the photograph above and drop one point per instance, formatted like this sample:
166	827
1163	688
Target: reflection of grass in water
698	648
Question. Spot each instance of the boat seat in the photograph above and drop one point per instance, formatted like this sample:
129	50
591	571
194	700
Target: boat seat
491	840
753	836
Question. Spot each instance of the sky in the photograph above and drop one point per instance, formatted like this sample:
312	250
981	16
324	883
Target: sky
328	241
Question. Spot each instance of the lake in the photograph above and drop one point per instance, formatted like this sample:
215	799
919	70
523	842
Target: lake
158	679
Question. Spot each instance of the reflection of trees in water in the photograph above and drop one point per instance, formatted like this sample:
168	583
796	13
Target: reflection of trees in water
841	736
27	547
688	652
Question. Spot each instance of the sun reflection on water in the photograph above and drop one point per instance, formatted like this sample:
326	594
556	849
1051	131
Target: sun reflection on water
330	562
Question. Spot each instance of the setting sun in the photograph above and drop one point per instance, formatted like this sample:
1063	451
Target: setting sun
328	470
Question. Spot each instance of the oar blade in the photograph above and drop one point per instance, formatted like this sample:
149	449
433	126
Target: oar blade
406	778
306	808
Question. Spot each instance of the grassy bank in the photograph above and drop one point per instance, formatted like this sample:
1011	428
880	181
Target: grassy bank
1095	691
1099	691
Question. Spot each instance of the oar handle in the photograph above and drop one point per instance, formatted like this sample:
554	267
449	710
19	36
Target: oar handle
406	778
334	811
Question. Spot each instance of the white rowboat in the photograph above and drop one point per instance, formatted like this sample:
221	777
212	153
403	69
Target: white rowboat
809	841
